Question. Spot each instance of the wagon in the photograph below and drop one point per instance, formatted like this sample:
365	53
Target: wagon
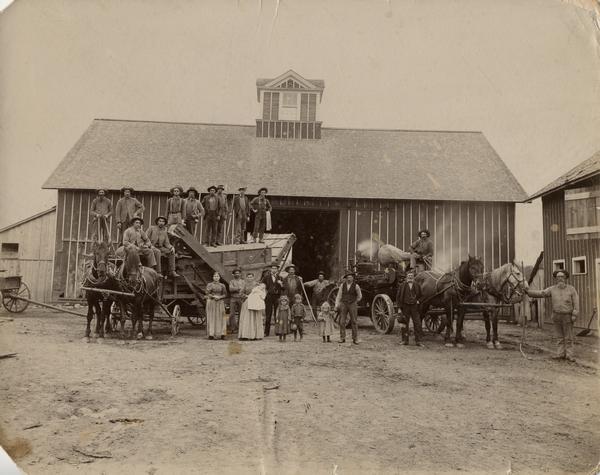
183	299
15	293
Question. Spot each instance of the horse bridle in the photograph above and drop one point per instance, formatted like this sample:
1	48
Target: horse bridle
513	289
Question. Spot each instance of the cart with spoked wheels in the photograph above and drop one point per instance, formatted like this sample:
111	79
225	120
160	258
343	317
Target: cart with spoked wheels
15	293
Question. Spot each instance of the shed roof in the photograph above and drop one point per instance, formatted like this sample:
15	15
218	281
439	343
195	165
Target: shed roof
583	171
26	220
345	163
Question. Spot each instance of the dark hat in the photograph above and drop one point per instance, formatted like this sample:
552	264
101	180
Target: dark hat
289	267
558	271
426	231
191	188
127	188
242	188
100	189
211	187
137	218
159	217
321	273
221	187
263	188
347	273
237	269
177	187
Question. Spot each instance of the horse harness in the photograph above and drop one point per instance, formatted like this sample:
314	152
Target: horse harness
462	290
501	294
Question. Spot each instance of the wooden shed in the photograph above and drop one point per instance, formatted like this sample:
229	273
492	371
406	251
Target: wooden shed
332	189
571	220
27	249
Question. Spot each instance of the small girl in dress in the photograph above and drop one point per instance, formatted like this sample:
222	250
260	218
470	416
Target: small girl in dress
282	322
298	314
325	319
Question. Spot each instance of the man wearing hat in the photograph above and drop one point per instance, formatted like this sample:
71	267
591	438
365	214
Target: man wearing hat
236	290
134	236
160	240
101	211
346	303
192	210
241	214
319	290
175	206
127	208
212	208
274	286
422	250
565	309
408	299
223	210
260	205
292	283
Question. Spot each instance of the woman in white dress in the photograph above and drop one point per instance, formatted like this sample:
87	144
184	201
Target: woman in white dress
247	324
256	306
216	324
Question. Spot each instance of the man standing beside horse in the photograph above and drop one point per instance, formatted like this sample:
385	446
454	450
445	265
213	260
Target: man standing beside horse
565	309
408	300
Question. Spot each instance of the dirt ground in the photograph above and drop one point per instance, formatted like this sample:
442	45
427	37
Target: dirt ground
189	405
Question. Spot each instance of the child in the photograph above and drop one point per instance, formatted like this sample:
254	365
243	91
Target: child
298	314
282	321
325	319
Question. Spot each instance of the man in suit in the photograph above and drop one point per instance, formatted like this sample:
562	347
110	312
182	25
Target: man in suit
274	286
408	299
241	214
212	207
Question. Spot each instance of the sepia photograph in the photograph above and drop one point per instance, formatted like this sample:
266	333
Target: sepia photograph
288	237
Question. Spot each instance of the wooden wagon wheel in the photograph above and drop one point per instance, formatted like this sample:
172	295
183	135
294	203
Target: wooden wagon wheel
198	319
11	300
382	313
433	322
175	320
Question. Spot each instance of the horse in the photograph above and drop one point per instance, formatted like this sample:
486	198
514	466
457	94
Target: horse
99	277
504	285
448	291
144	283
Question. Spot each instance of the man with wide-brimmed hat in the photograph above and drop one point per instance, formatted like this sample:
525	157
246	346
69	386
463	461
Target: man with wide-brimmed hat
408	300
100	211
260	205
346	303
274	287
241	215
422	250
292	283
134	236
175	206
223	211
565	309
319	287
192	210
127	208
236	298
212	208
159	237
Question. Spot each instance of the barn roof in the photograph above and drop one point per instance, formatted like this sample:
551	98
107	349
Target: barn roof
583	171
345	163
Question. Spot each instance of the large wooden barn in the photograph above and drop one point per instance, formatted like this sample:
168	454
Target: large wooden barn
331	187
571	214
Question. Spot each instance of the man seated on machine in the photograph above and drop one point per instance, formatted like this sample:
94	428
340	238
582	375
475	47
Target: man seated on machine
421	251
160	240
135	237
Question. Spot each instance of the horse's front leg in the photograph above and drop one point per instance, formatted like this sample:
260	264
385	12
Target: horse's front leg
100	321
106	316
497	344
90	315
449	317
460	318
150	318
486	320
139	316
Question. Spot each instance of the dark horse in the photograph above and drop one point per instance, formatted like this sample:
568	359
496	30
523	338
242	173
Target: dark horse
143	282
448	291
99	277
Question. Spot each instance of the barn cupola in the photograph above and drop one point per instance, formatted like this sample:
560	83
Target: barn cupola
290	107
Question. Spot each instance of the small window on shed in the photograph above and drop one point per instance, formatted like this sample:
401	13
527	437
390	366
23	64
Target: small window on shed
10	248
558	264
579	265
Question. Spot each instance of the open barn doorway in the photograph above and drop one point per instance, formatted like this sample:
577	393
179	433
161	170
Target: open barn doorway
318	236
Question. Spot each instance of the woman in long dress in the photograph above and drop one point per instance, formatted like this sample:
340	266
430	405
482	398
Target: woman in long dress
216	324
247	324
256	306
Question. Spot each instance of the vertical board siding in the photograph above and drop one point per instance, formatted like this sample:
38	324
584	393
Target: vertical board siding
457	229
556	246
